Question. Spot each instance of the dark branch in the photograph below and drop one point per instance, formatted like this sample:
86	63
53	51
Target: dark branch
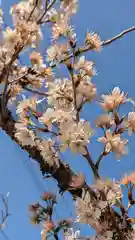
63	174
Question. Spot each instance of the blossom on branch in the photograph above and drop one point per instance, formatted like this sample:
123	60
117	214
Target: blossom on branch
130	123
85	67
114	143
57	52
76	136
25	136
69	6
104	120
48	152
72	235
94	41
114	100
61	26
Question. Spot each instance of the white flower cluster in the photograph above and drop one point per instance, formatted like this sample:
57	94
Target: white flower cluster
76	136
49	120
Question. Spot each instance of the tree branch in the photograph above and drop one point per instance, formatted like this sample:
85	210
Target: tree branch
118	36
92	165
62	174
84	49
99	161
5	214
36	92
46	10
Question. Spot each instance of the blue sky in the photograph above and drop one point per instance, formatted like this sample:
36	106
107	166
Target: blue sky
116	66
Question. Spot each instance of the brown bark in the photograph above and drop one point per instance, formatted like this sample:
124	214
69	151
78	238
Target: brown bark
62	174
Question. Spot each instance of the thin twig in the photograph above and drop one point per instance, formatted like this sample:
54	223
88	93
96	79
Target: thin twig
6	214
99	160
4	235
74	86
109	41
3	100
56	237
19	78
36	92
46	10
91	163
33	9
46	5
46	130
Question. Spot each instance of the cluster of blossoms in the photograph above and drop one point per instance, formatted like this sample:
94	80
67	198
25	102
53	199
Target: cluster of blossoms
42	214
89	210
113	101
128	179
76	136
48	118
114	143
65	98
113	125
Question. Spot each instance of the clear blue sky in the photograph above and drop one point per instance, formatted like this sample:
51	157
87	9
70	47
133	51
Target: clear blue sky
116	67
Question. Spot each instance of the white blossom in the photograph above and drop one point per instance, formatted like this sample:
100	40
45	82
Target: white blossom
25	136
114	100
114	143
76	136
71	234
85	67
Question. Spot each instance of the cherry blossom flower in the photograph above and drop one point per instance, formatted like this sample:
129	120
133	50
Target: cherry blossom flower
47	151
128	179
51	116
71	234
50	15
14	91
111	189
76	136
61	26
113	100
94	41
30	33
69	6
21	11
114	143
107	235
61	94
36	58
125	180
114	192
49	226
11	36
24	105
131	177
48	196
85	67
48	117
87	213
131	123
87	89
104	120
25	136
57	52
